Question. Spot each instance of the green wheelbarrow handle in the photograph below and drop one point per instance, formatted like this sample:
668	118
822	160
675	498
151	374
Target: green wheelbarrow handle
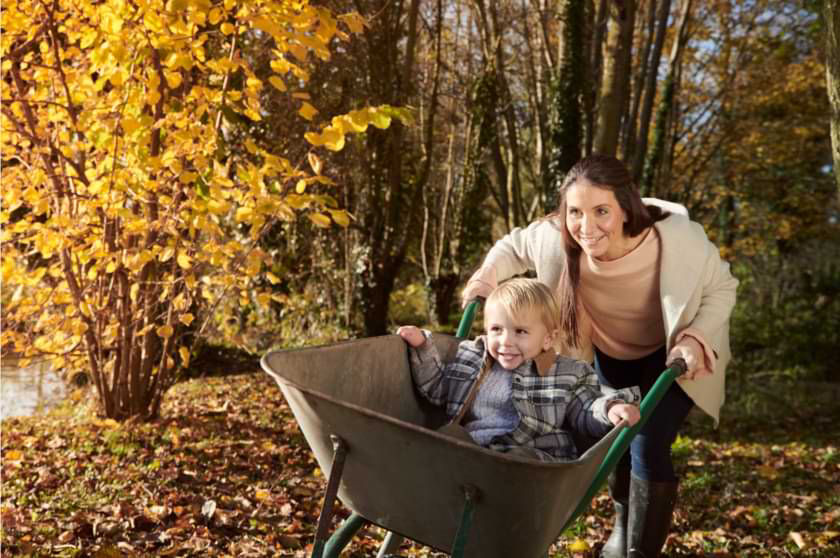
622	441
468	317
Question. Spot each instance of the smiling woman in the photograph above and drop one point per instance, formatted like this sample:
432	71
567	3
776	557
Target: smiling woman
595	220
639	285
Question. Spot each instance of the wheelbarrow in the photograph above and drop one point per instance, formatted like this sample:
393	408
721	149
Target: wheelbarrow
374	438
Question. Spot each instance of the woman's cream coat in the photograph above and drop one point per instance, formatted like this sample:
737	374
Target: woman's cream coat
695	285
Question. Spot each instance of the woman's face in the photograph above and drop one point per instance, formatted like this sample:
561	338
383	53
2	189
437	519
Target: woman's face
595	220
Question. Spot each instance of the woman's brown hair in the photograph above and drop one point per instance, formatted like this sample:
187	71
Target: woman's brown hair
610	174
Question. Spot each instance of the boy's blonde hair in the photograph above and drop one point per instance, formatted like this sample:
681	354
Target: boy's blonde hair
520	295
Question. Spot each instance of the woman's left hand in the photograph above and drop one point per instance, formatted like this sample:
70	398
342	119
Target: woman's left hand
690	350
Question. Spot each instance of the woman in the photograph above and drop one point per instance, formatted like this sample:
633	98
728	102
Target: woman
640	285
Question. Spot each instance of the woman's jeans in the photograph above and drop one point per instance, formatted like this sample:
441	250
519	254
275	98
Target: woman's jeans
650	450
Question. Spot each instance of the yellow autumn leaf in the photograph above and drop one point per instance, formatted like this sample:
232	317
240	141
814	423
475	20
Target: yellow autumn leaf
355	22
186	318
578	545
185	356
314	138
88	38
173	79
262	495
315	163
184	261
13	455
277	83
165	331
300	187
333	139
307	111
215	16
243	214
340	217
130	125
319	219
378	118
227	28
298	50
357	120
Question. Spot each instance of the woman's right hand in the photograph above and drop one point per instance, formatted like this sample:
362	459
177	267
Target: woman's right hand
481	284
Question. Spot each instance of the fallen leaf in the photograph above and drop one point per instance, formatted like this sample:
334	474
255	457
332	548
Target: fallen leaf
798	539
208	509
578	545
287	541
14	455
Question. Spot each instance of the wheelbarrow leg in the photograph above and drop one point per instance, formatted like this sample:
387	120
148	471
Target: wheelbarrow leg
343	535
390	544
470	498
339	455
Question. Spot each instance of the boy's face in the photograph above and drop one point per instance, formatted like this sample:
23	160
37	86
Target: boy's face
512	340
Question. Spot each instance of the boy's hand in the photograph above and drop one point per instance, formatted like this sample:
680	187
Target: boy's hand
412	335
623	411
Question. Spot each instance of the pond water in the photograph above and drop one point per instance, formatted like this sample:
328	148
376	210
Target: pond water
29	390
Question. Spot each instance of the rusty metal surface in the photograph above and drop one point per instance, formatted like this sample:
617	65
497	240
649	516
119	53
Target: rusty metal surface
409	479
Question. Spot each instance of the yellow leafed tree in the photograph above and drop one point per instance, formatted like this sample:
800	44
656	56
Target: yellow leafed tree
117	204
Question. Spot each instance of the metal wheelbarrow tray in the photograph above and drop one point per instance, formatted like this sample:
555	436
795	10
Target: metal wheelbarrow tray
373	436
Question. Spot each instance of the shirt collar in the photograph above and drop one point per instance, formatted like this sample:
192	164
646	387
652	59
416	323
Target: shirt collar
544	361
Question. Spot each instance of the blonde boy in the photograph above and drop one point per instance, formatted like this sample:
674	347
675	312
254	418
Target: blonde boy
529	400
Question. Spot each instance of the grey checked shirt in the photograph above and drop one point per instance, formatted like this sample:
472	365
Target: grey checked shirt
566	398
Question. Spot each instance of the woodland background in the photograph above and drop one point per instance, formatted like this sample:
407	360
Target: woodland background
155	185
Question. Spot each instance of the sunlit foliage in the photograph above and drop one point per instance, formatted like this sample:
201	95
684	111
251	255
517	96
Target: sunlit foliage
125	220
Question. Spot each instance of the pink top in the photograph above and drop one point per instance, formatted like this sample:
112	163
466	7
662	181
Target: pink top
621	303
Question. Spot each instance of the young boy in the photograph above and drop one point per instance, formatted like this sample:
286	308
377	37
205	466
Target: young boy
529	399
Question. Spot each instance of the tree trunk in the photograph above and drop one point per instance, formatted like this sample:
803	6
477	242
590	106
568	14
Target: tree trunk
566	88
832	78
594	71
657	149
390	209
616	76
641	141
628	134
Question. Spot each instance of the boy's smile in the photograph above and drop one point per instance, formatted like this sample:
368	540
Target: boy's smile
513	340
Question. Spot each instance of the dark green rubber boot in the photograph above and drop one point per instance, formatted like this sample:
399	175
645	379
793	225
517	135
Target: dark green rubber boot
649	518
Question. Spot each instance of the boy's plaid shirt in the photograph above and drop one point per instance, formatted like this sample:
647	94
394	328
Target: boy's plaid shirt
567	398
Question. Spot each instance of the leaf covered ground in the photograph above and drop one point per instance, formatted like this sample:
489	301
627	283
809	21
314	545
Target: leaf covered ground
226	472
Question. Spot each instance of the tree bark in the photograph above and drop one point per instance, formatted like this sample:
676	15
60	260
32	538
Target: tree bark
641	141
831	12
616	76
566	89
657	149
628	134
594	71
390	208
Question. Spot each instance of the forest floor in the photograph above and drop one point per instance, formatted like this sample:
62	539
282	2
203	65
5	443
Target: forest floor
226	472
